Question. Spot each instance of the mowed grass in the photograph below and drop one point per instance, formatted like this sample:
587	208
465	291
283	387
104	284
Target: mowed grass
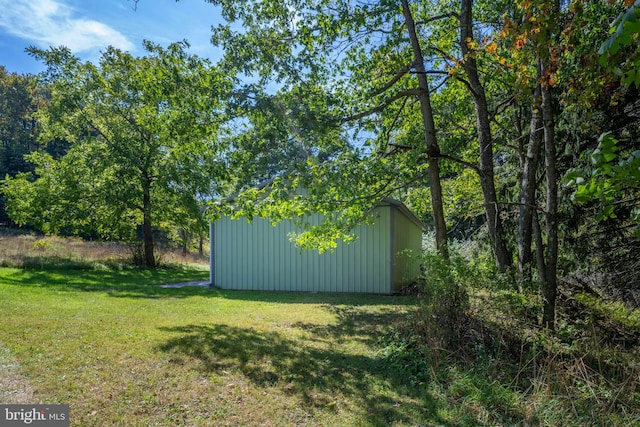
123	351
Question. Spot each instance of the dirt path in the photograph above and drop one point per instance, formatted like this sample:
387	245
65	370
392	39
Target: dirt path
14	388
197	283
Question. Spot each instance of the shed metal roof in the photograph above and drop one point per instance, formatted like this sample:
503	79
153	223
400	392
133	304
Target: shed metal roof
405	210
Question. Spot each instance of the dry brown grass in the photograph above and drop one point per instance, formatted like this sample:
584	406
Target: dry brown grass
25	249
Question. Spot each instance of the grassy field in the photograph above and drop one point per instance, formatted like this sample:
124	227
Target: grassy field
122	351
78	326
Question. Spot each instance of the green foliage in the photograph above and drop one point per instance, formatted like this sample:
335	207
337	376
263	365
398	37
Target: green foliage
144	149
463	201
446	287
624	32
64	199
628	318
344	123
406	350
609	178
19	100
501	369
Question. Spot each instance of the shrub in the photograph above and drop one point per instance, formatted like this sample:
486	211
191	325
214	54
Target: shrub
445	291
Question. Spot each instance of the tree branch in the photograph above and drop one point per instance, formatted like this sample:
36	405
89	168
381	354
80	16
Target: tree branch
380	107
502	106
401	72
462	162
437	72
395	120
135	4
468	85
386	189
535	207
438	17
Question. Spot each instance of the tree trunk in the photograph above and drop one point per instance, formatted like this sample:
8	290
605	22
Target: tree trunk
433	151
537	235
528	189
550	287
485	140
147	232
185	241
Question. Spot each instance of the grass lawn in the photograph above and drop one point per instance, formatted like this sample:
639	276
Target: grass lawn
122	351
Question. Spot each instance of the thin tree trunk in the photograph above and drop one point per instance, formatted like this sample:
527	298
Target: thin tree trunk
185	240
433	151
550	287
147	232
537	235
528	189
485	140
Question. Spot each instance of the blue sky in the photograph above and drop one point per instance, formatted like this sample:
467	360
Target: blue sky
88	26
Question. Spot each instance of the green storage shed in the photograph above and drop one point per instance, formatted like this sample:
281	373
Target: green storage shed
259	256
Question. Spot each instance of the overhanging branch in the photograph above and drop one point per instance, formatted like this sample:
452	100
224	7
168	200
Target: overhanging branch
380	107
438	17
462	162
401	72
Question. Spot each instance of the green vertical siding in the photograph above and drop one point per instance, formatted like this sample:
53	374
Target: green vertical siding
407	248
258	256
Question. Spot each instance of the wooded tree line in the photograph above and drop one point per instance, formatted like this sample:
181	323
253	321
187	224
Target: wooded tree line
518	116
139	157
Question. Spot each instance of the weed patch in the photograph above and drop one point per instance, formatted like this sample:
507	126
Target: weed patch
501	370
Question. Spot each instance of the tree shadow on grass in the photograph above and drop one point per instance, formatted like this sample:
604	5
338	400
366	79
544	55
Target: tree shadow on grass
316	374
329	298
145	283
357	323
124	283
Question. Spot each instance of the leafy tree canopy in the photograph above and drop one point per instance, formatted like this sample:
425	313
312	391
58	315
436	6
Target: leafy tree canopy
144	143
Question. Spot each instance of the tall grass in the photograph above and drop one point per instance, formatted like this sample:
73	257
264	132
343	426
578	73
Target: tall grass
21	249
476	343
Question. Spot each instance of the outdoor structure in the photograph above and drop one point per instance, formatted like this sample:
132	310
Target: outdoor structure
259	256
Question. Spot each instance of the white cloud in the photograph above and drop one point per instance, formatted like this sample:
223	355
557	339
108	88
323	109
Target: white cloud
52	23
